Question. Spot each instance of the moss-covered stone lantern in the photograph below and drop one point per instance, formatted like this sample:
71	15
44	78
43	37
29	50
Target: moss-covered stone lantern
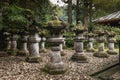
111	41
13	38
8	41
90	42
56	65
33	43
101	39
23	51
43	35
79	54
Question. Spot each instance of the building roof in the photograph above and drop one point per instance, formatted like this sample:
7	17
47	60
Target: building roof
109	18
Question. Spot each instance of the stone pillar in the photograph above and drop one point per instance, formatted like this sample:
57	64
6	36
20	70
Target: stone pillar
101	53
8	41
8	44
90	44
79	46
33	46
111	50
43	49
64	43
23	49
13	43
61	47
56	65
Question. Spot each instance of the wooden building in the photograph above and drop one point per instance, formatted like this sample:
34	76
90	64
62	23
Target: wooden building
111	19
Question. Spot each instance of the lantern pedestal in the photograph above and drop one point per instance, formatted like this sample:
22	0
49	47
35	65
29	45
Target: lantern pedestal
55	66
90	44
111	50
43	49
13	49
101	53
79	54
23	49
34	55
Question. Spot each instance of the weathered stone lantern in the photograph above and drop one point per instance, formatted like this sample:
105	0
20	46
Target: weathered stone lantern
43	49
23	51
101	39
111	41
90	42
13	38
8	41
79	46
56	65
33	43
43	35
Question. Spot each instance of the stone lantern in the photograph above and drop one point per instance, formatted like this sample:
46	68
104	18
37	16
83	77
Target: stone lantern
56	65
101	39
23	51
8	41
61	47
90	42
13	38
33	43
43	40
43	35
79	55
111	41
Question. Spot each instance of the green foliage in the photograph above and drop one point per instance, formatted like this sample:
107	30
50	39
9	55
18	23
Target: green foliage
69	39
42	9
14	17
91	27
105	7
108	29
43	33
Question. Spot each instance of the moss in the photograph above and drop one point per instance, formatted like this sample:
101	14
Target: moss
101	44
33	59
12	52
111	52
90	50
21	53
43	51
101	54
90	34
63	53
54	71
79	58
64	47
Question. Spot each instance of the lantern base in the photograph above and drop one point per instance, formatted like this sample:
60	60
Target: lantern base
101	54
55	68
79	57
91	50
33	59
111	52
12	52
22	53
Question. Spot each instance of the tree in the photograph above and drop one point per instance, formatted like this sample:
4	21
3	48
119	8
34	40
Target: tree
105	7
69	2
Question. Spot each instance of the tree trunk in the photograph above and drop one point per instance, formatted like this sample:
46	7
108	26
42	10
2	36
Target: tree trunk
70	11
86	17
77	11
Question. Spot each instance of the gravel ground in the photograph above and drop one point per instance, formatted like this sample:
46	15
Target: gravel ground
15	68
